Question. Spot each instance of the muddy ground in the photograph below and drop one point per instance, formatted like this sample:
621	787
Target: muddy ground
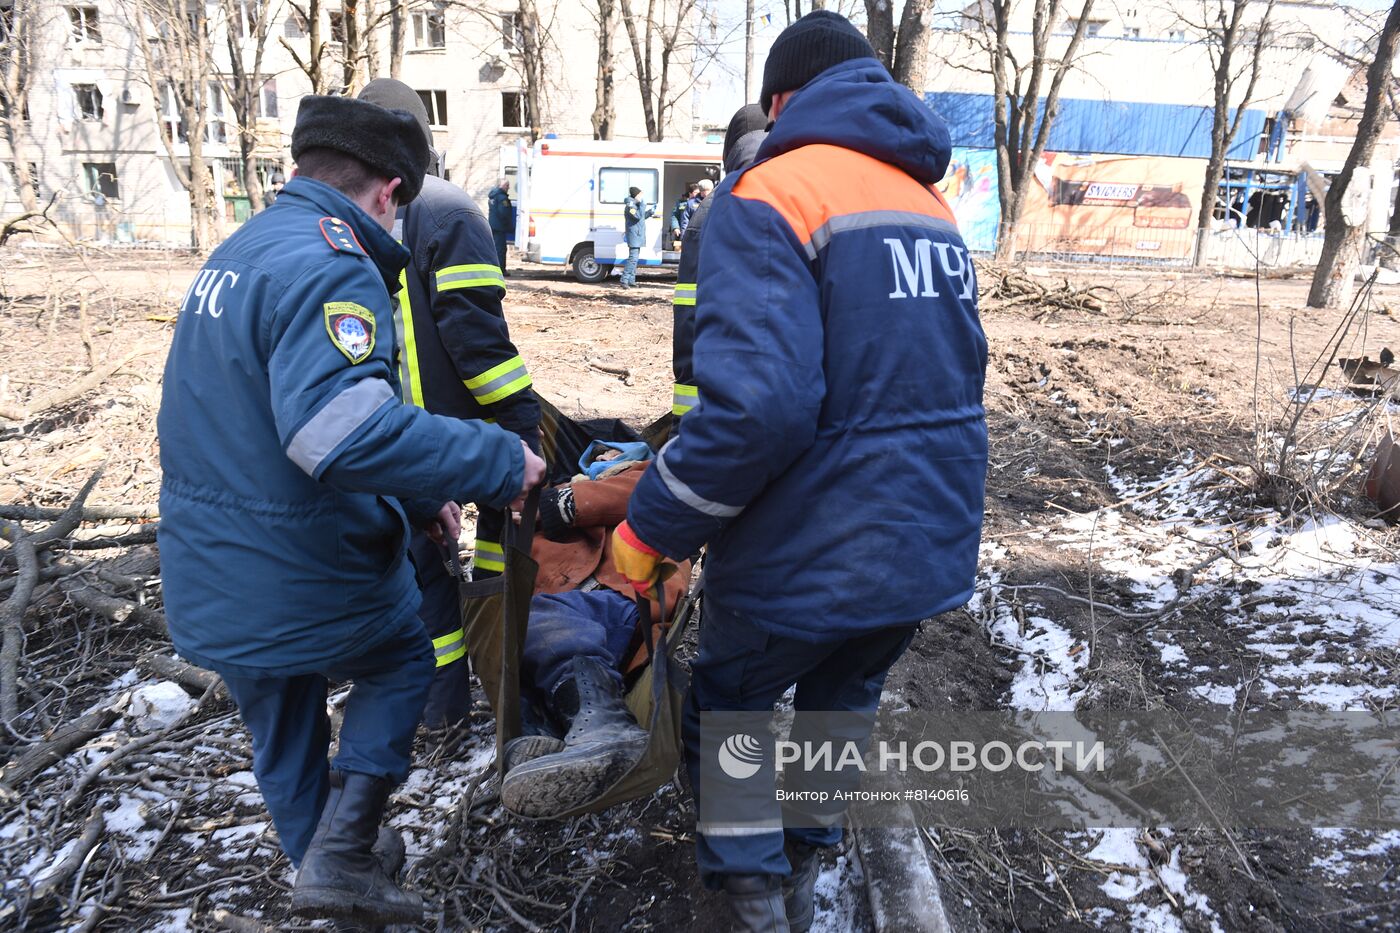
1131	442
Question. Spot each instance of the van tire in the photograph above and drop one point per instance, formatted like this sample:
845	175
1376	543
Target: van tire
586	268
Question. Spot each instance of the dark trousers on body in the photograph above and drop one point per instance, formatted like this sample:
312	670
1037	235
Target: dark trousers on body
292	734
500	237
598	624
740	668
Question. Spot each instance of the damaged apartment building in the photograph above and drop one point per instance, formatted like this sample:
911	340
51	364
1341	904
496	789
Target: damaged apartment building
106	105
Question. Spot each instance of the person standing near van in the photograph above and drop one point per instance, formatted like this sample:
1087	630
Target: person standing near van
635	212
500	216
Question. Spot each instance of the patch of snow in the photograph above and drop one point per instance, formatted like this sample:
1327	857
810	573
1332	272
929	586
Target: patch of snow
155	706
839	897
1172	654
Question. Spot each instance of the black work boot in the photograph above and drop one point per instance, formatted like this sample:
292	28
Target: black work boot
800	886
757	901
389	851
603	742
340	876
529	747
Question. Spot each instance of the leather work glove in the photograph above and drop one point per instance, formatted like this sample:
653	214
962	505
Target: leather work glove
637	561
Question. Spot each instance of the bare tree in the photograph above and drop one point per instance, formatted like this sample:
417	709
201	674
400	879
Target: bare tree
1025	103
19	28
247	24
656	38
533	40
398	26
1345	225
605	108
1236	53
177	57
308	15
904	53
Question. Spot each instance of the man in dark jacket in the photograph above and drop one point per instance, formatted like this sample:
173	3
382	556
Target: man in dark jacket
678	212
456	358
836	461
290	473
747	129
502	220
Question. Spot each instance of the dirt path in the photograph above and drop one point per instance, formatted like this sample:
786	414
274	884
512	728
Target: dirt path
1155	400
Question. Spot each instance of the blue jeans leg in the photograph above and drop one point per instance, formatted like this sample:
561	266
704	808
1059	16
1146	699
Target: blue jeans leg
629	269
597	624
740	668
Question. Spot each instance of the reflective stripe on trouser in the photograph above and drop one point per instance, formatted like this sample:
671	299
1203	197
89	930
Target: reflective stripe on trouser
683	398
500	381
475	275
684	294
489	556
409	376
450	647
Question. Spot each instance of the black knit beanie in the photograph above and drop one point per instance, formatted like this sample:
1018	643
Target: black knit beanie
807	48
389	141
746	119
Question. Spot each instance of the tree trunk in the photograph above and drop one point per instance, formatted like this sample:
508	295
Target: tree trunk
371	40
14	97
642	57
605	106
1333	280
911	46
350	17
879	29
1022	131
397	25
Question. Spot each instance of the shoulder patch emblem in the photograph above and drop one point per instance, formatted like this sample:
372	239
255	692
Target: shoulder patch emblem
351	327
341	238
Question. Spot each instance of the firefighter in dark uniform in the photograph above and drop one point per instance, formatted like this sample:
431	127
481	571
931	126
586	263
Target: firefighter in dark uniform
455	358
746	131
290	475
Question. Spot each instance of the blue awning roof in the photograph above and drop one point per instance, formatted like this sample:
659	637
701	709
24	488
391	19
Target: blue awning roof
1108	127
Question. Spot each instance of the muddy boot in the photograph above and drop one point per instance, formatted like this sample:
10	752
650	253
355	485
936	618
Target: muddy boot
602	743
341	876
800	886
389	851
757	902
529	747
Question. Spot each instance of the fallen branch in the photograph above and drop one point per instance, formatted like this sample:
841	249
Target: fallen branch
76	390
90	514
194	679
114	608
12	614
612	369
44	756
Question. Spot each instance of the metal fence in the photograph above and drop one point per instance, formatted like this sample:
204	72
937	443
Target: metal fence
1157	246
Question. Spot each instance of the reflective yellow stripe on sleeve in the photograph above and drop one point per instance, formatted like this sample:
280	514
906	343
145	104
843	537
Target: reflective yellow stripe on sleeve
409	374
500	381
489	556
683	398
450	647
684	294
477	275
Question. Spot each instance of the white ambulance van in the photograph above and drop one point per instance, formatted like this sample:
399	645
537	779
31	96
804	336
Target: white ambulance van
570	193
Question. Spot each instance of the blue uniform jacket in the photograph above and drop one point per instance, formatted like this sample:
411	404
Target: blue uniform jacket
500	216
289	463
634	217
836	459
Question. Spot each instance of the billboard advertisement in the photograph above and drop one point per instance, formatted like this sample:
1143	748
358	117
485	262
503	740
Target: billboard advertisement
1138	206
970	185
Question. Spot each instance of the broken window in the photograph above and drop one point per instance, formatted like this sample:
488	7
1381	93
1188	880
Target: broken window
84	24
515	110
101	179
89	101
430	29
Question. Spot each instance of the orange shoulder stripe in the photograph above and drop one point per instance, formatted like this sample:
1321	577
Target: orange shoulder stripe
811	185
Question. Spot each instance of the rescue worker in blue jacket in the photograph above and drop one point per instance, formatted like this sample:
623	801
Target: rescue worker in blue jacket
456	358
502	220
836	461
291	472
635	212
746	132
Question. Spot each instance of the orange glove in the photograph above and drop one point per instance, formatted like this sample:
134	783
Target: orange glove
634	559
